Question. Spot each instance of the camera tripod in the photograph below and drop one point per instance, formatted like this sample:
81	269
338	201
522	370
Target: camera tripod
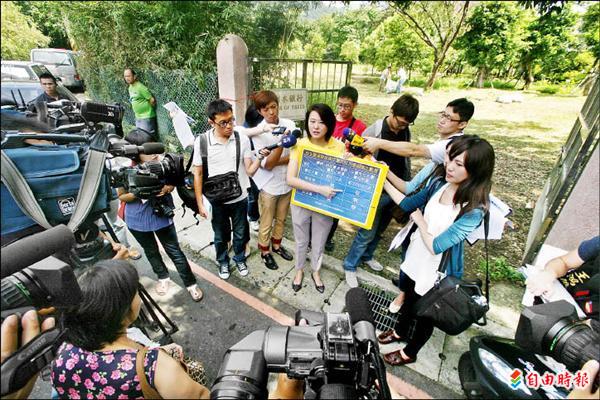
150	312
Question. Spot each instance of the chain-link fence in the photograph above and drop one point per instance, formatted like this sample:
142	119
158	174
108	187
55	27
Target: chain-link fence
191	92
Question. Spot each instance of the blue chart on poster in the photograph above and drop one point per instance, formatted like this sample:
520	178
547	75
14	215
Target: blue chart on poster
360	183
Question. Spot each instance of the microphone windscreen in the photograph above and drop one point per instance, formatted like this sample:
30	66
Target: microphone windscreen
34	248
153	148
347	132
358	306
288	141
297	133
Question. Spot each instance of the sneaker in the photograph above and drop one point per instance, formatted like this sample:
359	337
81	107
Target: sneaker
329	246
374	265
162	286
254	225
224	271
195	292
269	261
351	279
242	268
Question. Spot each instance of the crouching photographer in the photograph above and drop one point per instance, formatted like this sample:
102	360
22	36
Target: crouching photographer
149	211
99	359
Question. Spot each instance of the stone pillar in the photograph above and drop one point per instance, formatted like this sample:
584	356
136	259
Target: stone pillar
232	69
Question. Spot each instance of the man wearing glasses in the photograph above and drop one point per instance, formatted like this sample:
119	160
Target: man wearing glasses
394	128
452	121
222	144
347	100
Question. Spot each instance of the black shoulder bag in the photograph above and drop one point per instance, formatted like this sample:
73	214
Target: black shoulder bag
223	187
453	304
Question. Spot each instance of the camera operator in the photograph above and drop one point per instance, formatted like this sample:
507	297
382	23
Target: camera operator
99	359
147	221
578	271
51	93
31	327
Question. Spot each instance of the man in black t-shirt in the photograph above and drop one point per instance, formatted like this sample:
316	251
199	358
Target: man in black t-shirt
394	127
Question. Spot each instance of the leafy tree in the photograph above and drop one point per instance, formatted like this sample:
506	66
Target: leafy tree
48	17
436	23
19	34
350	51
550	46
339	28
493	39
394	43
315	46
590	29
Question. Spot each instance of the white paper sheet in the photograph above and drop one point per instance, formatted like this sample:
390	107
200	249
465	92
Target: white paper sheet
401	235
262	177
499	211
181	124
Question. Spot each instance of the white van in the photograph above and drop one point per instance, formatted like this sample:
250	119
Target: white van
62	64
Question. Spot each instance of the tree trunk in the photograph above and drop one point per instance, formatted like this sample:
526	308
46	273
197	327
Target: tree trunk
528	76
481	73
437	63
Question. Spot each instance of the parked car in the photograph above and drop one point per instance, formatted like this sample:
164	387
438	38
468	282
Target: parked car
62	63
20	92
22	70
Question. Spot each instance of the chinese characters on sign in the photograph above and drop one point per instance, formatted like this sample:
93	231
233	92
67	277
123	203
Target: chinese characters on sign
292	103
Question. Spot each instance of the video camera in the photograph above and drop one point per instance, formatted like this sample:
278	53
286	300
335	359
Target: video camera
337	356
33	279
554	329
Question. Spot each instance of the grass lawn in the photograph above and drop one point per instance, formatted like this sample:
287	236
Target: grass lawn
527	138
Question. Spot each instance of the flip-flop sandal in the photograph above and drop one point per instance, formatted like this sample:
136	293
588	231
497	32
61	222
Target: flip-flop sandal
196	293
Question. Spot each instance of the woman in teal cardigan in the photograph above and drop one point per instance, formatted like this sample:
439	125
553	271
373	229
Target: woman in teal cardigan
454	202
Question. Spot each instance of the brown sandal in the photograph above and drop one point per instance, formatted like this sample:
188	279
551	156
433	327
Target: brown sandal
395	358
388	337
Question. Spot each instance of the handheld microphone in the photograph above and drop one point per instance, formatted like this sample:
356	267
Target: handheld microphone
286	141
355	140
297	133
34	248
359	308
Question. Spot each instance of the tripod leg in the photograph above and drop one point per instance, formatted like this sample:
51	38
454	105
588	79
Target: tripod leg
152	308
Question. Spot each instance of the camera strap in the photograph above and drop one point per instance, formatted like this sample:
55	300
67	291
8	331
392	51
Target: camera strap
90	181
21	192
204	153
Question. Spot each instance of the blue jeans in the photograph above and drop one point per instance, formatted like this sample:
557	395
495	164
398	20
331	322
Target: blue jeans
150	125
365	242
170	242
253	213
225	219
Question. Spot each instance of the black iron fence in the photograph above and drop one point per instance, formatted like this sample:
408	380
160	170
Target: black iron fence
322	79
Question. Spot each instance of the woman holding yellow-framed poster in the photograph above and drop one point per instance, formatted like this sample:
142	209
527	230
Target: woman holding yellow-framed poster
311	227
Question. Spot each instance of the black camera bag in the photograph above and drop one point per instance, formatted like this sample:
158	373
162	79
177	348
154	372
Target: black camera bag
217	189
451	303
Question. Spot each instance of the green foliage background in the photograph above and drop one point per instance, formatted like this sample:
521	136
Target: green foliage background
19	33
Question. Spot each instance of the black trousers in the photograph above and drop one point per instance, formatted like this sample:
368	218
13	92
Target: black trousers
416	330
170	242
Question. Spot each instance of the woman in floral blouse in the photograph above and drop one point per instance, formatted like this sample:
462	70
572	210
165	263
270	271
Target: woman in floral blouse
98	360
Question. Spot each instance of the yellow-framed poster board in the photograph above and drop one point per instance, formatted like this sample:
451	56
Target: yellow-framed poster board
360	183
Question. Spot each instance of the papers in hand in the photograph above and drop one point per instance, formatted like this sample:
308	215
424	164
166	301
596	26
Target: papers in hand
401	235
181	123
499	212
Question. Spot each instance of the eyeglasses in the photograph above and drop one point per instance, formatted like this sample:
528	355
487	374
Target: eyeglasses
224	124
446	116
344	106
401	124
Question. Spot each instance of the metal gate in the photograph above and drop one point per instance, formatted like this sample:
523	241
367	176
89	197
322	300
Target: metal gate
322	79
575	154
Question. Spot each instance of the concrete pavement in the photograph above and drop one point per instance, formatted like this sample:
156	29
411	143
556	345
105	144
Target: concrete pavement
436	367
